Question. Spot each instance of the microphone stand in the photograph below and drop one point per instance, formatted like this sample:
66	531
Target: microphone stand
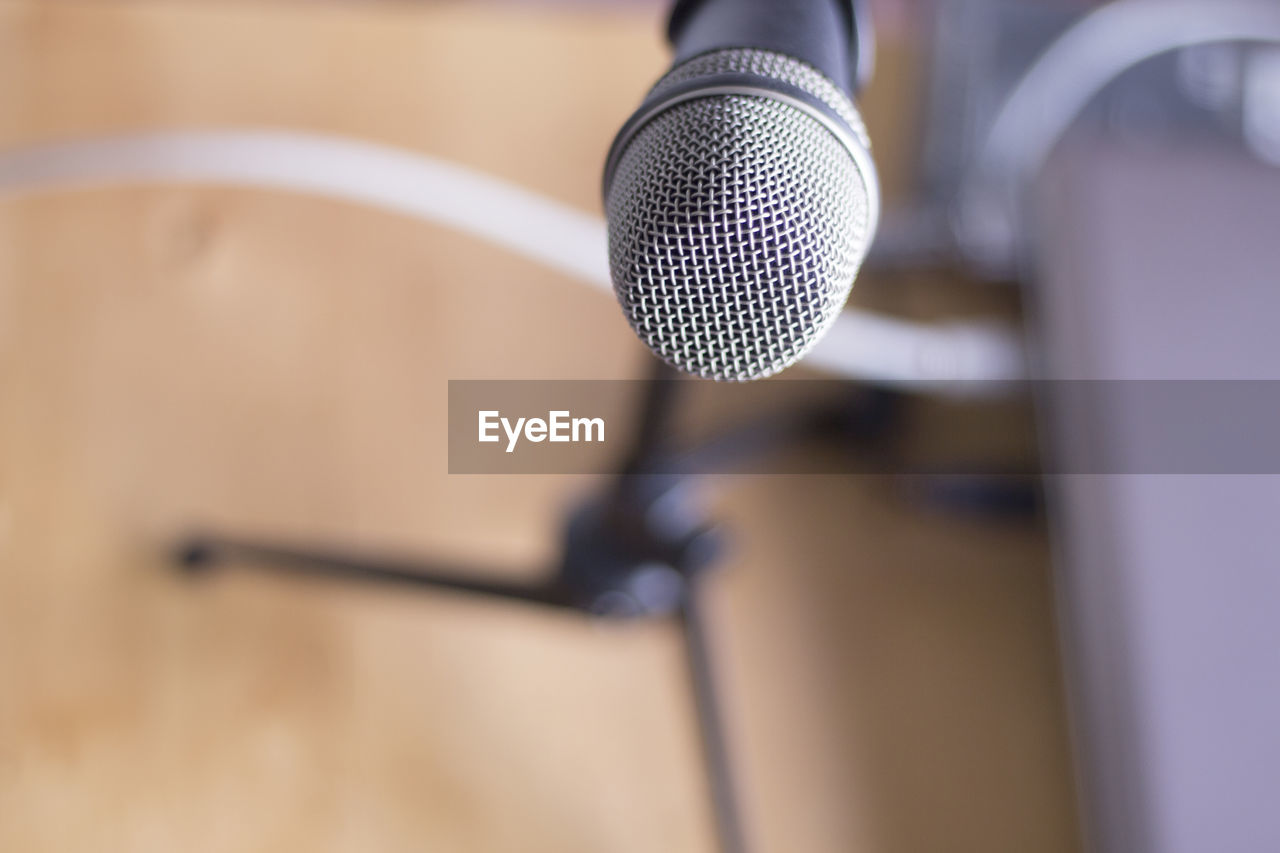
638	550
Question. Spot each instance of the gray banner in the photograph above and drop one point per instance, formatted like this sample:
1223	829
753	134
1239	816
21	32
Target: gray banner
821	427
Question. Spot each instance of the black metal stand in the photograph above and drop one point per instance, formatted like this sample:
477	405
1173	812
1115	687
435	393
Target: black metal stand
638	550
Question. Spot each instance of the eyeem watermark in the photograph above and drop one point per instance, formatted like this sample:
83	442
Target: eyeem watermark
559	426
1108	427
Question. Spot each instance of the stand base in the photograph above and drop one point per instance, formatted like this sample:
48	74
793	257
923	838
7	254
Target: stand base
637	552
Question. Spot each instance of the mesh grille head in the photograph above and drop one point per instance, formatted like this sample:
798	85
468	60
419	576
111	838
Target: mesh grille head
773	66
736	226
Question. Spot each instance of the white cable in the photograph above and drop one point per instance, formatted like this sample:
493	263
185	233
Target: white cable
859	345
958	358
1070	73
433	190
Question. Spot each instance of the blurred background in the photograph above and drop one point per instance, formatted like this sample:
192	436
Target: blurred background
963	663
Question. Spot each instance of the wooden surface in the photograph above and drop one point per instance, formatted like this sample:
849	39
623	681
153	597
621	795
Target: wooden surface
277	365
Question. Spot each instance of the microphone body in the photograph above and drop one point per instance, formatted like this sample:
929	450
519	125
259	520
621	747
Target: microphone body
816	33
741	196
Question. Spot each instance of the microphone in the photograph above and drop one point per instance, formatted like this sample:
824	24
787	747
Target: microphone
741	196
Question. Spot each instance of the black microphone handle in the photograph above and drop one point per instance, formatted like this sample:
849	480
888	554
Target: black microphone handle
821	33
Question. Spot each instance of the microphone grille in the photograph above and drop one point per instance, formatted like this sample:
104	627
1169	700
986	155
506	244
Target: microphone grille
772	66
737	223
